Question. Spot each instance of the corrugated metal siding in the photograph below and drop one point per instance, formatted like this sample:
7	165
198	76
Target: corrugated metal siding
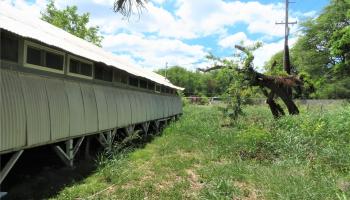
112	101
59	108
102	109
76	108
165	108
171	100
37	109
160	106
153	106
143	106
150	107
178	104
134	107
123	108
12	112
90	108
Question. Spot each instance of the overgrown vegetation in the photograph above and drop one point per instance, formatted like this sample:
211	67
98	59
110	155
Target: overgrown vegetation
294	157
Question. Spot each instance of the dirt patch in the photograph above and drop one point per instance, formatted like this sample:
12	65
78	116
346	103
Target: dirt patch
196	185
249	191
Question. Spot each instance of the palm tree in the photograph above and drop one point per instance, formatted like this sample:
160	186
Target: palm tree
126	7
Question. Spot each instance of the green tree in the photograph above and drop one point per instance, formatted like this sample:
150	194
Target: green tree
69	20
322	54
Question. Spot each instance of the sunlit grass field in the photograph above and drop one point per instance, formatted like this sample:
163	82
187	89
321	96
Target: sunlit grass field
199	157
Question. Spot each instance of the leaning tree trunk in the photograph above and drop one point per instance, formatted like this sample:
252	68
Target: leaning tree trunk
278	86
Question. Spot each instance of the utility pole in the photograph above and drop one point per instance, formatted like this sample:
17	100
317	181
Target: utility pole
166	69
286	60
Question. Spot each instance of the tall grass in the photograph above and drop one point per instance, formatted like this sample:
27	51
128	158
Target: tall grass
295	157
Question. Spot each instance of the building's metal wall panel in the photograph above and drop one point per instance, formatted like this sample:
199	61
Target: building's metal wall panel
123	108
165	108
90	108
150	107
102	109
76	108
152	110
12	112
134	107
177	105
140	97
59	108
160	107
112	101
37	109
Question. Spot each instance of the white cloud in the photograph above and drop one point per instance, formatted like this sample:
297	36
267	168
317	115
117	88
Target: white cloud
232	40
154	52
264	53
32	9
209	17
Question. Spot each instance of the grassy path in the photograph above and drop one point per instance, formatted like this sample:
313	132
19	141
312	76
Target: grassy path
302	157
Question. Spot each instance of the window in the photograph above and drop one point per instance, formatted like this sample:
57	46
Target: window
43	58
9	47
54	61
151	85
120	76
158	88
143	83
79	67
103	72
163	89
34	56
133	81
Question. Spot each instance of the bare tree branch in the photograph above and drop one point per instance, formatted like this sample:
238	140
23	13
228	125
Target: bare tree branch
211	68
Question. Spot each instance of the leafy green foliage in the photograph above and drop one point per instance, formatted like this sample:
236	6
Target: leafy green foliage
197	83
70	21
322	54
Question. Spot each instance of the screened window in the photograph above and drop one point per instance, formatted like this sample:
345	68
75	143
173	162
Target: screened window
9	47
120	76
163	89
158	88
34	56
134	81
143	83
54	61
151	85
80	68
103	72
44	58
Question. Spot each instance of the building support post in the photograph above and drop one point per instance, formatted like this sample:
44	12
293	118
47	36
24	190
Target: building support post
87	148
4	172
145	127
156	126
106	139
68	156
130	129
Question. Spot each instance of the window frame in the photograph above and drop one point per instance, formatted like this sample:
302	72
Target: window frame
11	35
105	66
45	48
156	87
69	57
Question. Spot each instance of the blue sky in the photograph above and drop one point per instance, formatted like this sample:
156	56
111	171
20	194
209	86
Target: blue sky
182	32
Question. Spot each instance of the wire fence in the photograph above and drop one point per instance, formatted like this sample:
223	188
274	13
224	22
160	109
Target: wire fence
259	101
